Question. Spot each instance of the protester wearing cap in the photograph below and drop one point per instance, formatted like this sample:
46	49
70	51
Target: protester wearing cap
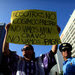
69	62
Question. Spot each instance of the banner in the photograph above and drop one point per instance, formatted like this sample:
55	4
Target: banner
33	27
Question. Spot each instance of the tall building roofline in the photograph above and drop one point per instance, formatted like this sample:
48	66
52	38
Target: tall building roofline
1	24
69	23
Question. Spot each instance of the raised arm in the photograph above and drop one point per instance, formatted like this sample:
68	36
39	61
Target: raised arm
54	47
5	48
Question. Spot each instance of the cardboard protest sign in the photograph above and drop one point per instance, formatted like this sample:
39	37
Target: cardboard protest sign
33	27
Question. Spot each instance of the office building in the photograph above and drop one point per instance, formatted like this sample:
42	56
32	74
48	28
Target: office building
2	34
68	34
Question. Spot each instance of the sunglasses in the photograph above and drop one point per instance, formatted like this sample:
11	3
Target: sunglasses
25	49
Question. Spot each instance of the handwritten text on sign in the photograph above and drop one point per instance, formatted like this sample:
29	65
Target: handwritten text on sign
33	27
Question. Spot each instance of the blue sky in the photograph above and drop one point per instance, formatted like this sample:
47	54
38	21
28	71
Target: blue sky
64	9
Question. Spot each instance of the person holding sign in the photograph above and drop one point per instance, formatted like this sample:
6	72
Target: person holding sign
28	64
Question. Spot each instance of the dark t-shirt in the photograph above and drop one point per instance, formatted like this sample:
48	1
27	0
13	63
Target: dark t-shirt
12	63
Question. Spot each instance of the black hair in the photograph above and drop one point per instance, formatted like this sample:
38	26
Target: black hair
31	47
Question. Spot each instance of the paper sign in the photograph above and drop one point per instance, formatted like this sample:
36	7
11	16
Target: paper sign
33	27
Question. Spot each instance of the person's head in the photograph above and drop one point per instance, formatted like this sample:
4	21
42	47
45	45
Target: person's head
28	52
65	49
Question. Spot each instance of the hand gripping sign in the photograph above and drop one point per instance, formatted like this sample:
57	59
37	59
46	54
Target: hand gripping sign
33	27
